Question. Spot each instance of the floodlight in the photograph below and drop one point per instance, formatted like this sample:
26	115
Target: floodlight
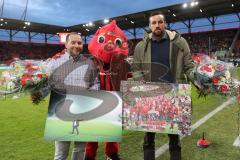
192	4
185	5
27	23
105	21
90	24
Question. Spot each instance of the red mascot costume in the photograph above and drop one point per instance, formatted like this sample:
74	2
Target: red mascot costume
110	49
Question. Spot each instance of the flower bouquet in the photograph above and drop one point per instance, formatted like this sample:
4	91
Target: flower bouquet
214	76
24	76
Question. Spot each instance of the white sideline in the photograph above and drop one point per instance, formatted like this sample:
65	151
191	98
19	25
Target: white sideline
165	147
236	143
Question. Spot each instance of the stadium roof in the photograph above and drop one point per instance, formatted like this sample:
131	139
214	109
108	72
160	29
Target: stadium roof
19	25
209	8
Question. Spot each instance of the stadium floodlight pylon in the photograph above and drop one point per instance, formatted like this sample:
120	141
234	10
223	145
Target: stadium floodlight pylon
2	7
23	17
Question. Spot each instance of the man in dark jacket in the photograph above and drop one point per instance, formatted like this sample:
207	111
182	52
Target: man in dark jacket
162	56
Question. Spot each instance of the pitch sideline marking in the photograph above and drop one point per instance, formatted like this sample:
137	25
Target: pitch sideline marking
236	143
165	147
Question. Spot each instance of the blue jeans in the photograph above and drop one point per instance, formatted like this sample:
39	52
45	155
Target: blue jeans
62	149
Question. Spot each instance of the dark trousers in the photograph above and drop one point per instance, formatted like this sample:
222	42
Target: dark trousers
149	146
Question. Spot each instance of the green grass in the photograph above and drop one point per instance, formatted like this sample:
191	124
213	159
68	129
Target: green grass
60	130
236	73
132	141
221	130
22	130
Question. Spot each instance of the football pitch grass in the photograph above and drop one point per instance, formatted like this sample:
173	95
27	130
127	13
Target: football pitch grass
22	130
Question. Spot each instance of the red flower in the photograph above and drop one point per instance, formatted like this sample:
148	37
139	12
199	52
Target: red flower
40	75
26	80
238	98
28	65
215	81
196	59
224	88
30	70
205	68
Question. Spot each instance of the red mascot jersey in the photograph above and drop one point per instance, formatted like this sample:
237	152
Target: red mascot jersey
110	49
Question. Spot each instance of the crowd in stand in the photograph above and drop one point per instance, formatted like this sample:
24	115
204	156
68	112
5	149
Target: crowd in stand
237	47
19	50
215	43
212	42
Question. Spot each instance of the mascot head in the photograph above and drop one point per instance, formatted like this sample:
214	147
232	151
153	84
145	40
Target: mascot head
107	42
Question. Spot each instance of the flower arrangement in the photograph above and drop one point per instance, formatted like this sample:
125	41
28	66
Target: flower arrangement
24	76
214	76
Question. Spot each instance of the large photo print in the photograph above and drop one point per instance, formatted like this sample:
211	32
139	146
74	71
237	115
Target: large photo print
89	116
157	107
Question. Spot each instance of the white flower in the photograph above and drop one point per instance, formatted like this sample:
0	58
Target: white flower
38	72
6	75
13	78
36	79
227	75
10	86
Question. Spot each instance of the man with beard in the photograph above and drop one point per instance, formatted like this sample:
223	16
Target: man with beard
162	56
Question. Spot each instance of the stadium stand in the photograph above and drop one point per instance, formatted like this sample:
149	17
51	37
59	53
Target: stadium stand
211	42
20	50
220	43
10	51
215	43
